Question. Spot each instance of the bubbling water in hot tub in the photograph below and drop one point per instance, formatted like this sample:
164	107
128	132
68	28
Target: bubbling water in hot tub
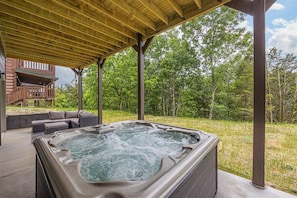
131	152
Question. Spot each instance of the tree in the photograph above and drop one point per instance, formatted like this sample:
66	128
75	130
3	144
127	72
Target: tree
218	40
90	87
119	83
66	96
281	87
169	75
201	69
243	90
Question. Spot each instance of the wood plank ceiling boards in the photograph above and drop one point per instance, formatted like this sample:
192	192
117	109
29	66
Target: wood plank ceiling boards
75	33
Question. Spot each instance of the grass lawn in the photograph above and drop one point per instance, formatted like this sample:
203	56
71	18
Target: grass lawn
235	147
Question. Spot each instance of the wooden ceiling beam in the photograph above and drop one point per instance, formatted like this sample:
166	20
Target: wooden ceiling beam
189	13
45	52
114	16
49	40
198	3
54	58
45	19
77	19
154	9
98	19
89	29
36	57
269	3
245	6
46	47
136	14
176	7
9	25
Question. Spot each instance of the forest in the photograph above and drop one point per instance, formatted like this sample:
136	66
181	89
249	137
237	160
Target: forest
201	69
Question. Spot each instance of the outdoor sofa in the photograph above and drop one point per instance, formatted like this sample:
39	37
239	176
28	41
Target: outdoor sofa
62	120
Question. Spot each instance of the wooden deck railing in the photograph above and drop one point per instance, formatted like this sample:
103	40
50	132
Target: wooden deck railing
15	96
30	92
42	68
40	92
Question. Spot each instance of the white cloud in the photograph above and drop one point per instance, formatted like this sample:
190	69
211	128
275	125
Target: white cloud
277	6
284	36
269	30
279	21
64	74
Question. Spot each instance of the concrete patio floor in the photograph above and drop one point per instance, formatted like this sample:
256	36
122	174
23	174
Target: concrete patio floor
17	172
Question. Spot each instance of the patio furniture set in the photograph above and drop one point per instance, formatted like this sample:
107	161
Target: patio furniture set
61	121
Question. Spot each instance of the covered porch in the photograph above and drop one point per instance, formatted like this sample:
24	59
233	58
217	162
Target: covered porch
17	172
88	39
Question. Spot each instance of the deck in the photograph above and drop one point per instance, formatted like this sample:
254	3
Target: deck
17	172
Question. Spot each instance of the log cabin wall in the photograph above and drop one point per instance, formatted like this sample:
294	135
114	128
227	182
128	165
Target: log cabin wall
11	75
28	80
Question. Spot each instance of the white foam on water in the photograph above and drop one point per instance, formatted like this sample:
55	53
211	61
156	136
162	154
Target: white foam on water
131	152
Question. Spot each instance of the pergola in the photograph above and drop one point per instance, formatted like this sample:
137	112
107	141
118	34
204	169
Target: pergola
77	33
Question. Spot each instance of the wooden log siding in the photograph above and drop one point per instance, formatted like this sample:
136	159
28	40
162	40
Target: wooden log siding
16	93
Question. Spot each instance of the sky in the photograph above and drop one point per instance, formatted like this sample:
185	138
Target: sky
281	26
281	32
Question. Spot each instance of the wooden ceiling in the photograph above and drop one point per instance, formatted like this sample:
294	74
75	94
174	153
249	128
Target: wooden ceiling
75	33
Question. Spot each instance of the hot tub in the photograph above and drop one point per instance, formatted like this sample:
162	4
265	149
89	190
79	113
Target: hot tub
89	162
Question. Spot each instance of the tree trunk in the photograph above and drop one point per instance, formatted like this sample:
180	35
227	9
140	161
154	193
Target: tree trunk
270	105
280	97
121	104
178	105
173	107
293	110
164	105
284	91
213	94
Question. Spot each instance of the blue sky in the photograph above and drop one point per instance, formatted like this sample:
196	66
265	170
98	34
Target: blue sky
281	26
281	32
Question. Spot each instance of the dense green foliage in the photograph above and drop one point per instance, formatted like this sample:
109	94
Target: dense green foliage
66	96
203	68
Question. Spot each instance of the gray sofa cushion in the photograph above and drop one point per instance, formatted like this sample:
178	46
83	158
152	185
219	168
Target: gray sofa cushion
56	115
88	121
86	114
74	123
41	121
55	126
71	114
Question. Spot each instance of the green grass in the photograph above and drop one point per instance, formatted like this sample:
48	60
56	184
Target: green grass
235	146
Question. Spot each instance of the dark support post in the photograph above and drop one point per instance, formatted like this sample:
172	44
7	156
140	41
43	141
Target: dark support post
80	90
100	64
78	72
140	78
140	48
259	93
2	91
